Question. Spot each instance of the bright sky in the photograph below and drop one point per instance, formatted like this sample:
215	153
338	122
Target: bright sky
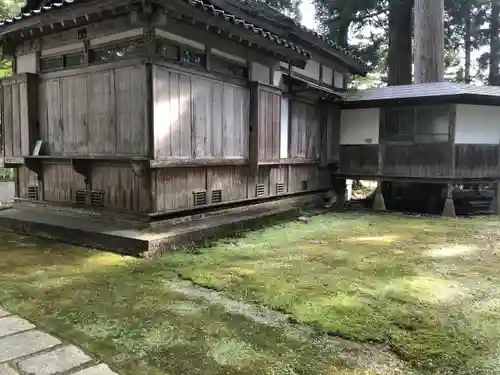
307	9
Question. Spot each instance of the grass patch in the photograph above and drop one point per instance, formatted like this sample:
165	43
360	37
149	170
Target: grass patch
121	310
427	287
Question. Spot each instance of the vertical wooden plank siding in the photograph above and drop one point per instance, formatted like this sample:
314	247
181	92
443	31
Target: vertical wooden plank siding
130	91
231	180
198	118
24	119
55	128
26	178
269	124
123	190
97	114
75	115
175	187
305	130
101	111
7	120
60	182
16	121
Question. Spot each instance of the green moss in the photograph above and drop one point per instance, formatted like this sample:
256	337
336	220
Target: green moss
121	310
427	287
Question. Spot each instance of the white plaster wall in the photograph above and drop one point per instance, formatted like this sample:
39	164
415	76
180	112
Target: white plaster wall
26	63
327	75
311	70
259	72
477	124
338	80
359	126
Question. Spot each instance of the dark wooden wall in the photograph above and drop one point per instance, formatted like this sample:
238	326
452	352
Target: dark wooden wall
99	113
477	161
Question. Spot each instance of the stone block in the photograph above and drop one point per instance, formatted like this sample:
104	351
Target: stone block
54	362
13	324
25	343
3	313
101	369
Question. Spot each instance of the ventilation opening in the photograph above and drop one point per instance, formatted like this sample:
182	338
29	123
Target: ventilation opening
304	185
216	196
280	188
97	198
259	190
33	192
200	198
81	196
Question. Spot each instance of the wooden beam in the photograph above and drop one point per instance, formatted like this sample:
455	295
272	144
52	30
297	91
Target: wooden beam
207	162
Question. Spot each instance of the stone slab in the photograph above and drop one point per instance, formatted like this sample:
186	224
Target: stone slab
5	369
3	313
25	343
101	369
54	362
13	324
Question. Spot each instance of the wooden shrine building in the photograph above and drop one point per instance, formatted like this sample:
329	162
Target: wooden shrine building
159	107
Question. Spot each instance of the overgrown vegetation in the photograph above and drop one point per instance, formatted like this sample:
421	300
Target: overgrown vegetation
425	289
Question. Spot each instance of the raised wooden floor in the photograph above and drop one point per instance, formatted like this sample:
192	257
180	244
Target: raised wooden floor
139	238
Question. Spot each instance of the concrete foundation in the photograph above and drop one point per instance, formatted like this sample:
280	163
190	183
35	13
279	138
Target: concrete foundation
146	239
379	202
449	208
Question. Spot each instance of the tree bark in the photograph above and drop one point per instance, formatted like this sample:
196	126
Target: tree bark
399	60
429	41
468	45
494	74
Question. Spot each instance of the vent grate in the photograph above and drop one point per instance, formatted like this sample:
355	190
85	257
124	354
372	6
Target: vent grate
200	198
97	198
280	188
259	190
304	185
33	192
81	196
216	196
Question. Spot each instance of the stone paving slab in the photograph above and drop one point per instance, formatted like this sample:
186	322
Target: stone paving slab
101	369
5	369
25	343
54	362
13	324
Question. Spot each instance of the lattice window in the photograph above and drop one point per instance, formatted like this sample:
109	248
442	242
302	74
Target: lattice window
228	68
216	196
304	185
259	190
81	196
116	51
97	198
51	63
33	192
194	58
167	51
74	59
200	198
280	188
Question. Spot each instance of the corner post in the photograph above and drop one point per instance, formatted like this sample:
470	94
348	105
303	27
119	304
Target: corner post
495	203
379	202
449	205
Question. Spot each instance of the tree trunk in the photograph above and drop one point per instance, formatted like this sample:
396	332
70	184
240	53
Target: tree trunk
494	75
468	45
429	41
400	49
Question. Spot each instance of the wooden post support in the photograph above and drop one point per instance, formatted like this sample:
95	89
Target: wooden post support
449	205
495	203
340	192
379	202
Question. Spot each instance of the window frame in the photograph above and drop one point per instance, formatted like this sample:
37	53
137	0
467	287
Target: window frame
415	134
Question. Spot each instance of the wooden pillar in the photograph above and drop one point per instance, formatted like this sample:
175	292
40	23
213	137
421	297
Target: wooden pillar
495	203
340	192
379	202
253	150
449	205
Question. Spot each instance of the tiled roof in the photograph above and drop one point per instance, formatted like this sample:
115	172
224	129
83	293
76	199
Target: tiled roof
43	7
246	25
47	5
424	90
276	14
